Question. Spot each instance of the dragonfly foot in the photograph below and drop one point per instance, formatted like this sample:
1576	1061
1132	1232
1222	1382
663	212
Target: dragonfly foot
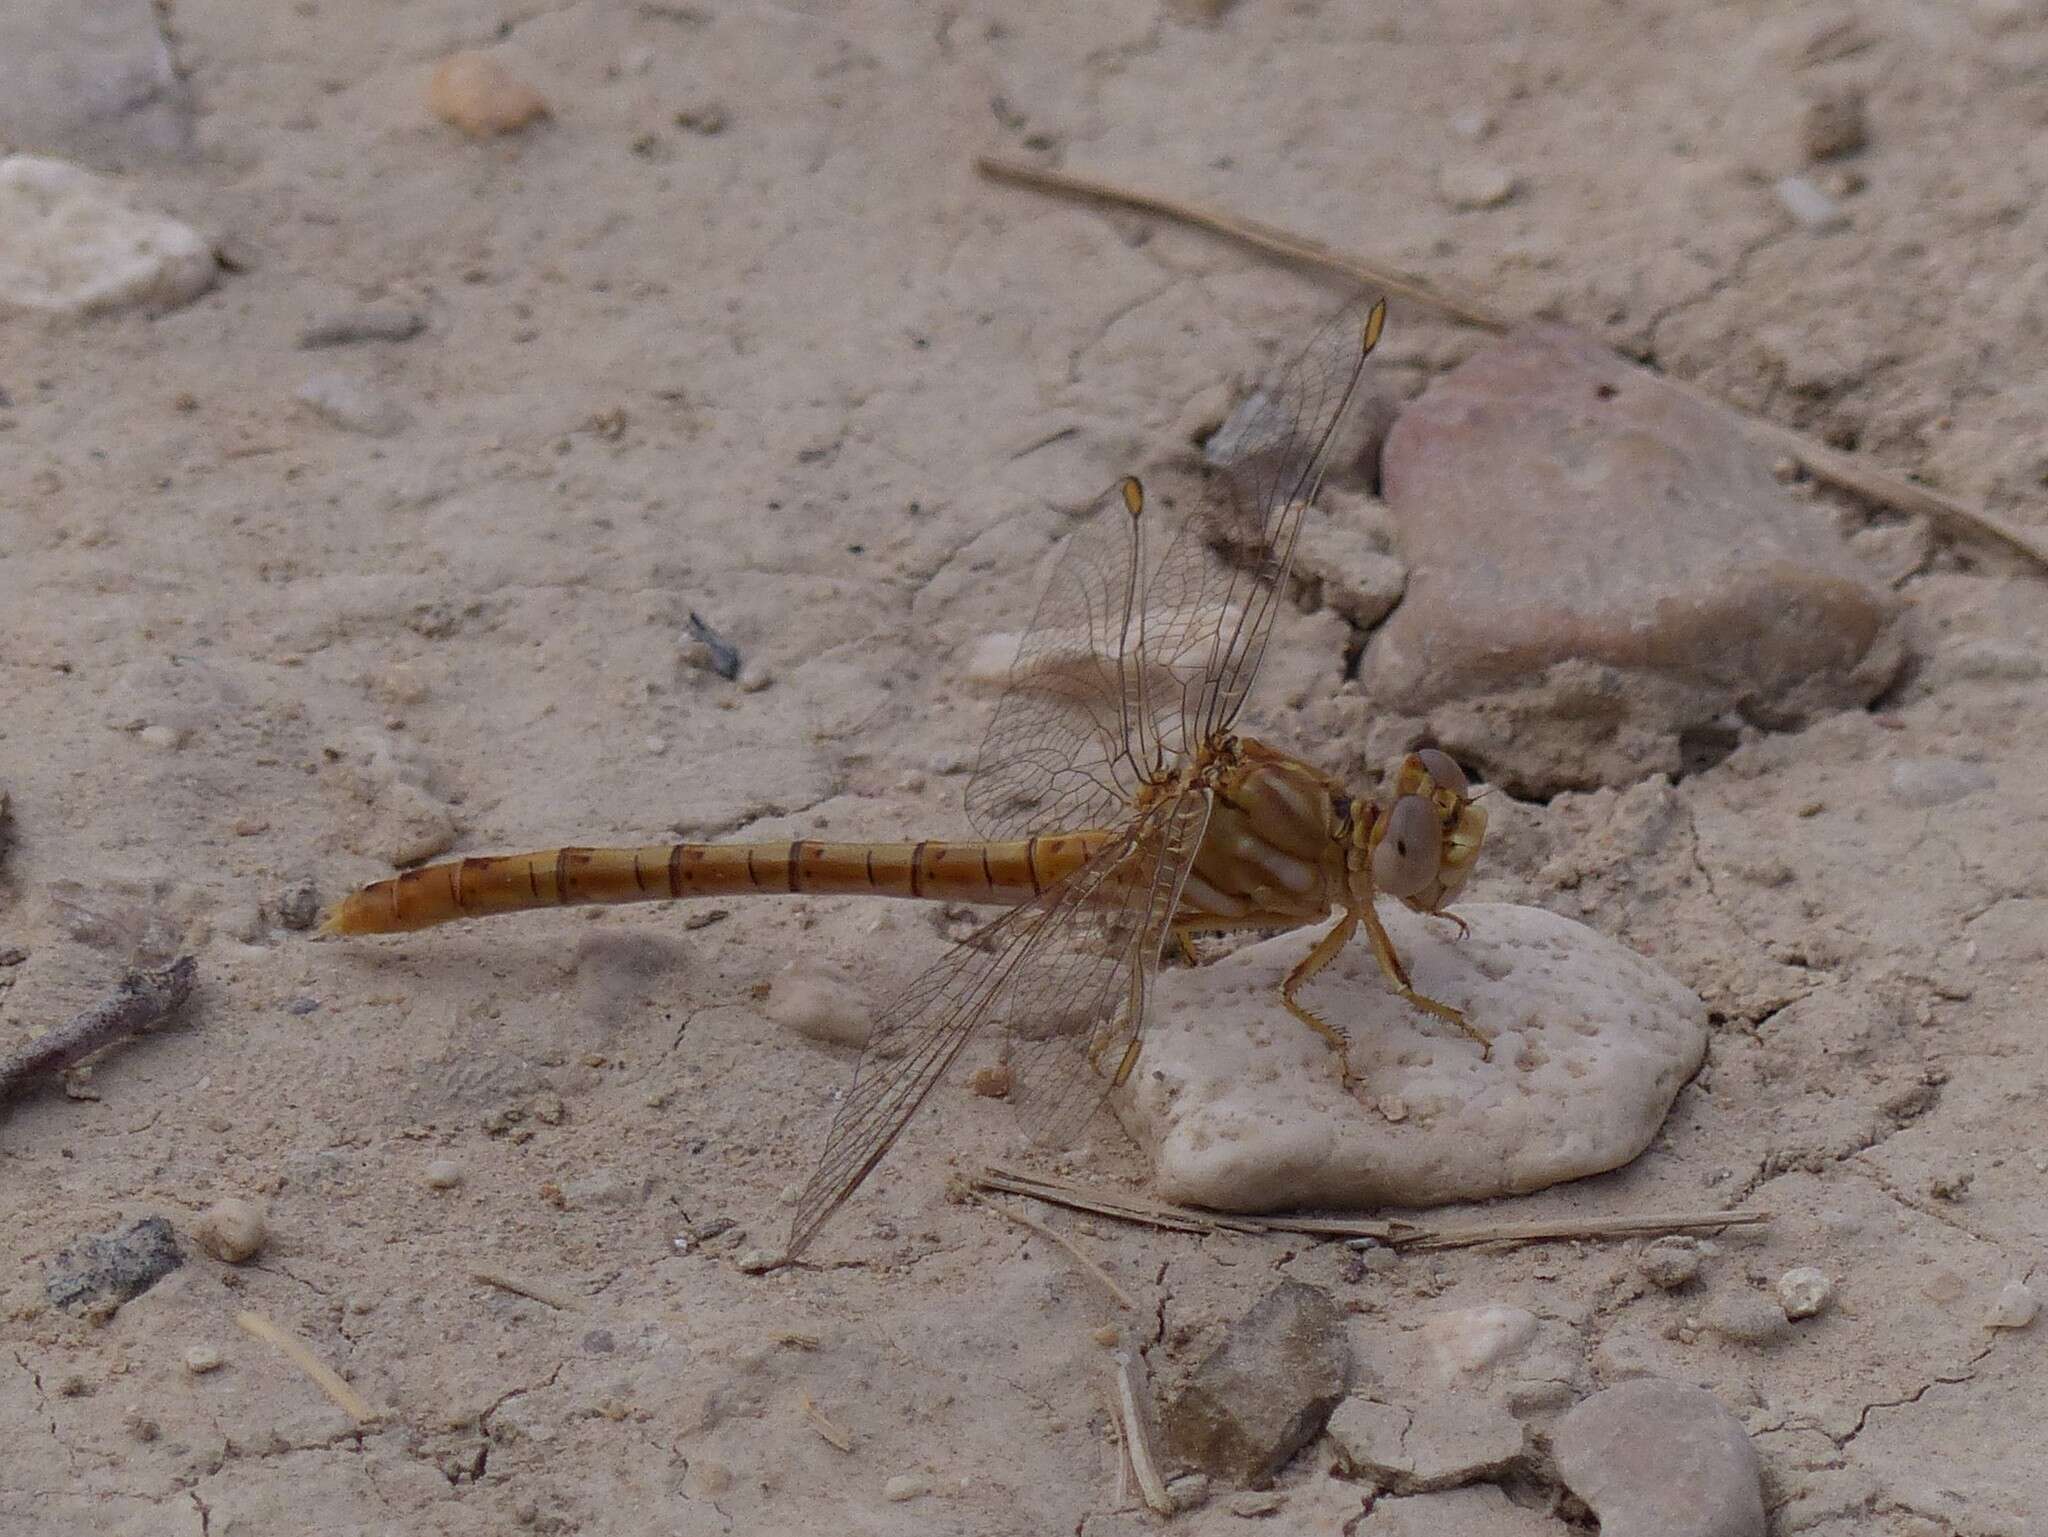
1455	1016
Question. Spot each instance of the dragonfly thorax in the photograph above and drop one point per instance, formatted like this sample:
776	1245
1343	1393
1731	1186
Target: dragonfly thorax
1274	853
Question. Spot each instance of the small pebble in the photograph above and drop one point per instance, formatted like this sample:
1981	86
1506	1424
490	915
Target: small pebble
1472	125
231	1230
1833	125
387	323
475	93
2015	1307
161	738
201	1359
1804	1291
1746	1317
1255	1503
351	405
1813	208
819	1006
1107	1335
1188	1491
906	1486
1475	184
756	1262
443	1174
1937	781
1669	1263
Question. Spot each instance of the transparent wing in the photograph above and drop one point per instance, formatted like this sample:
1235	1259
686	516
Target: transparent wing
1060	749
1128	665
1067	973
1208	622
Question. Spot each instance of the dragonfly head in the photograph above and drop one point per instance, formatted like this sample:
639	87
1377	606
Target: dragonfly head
1424	842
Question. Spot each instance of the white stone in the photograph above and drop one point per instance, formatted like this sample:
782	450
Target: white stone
1812	207
1468	1340
443	1174
1937	781
2015	1307
1804	1291
70	244
1475	184
1240	1106
352	405
819	1003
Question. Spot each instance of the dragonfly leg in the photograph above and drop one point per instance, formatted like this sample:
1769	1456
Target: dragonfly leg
1325	952
1464	928
1390	963
1185	943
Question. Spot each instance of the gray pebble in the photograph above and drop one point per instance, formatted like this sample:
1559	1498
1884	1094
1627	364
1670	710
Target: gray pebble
443	1174
1813	208
1804	1291
1746	1317
376	323
1937	781
1669	1263
201	1359
2015	1307
1475	184
352	405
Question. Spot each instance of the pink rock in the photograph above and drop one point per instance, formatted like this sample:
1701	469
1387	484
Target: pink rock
1603	572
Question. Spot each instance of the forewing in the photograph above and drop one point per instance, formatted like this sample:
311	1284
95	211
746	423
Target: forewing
1210	620
1068	971
1056	756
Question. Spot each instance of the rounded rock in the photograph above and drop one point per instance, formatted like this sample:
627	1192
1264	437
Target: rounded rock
906	1486
1804	1291
231	1230
443	1174
1661	1459
475	93
1746	1317
1669	1263
71	245
2015	1307
201	1359
1241	1108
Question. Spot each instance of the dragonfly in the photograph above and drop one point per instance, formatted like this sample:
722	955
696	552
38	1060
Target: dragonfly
1115	809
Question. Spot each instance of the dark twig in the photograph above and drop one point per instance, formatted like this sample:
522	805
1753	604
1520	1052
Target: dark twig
143	998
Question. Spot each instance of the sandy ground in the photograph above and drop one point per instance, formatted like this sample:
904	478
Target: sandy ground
809	377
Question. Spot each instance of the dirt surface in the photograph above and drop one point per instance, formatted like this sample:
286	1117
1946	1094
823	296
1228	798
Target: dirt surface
737	330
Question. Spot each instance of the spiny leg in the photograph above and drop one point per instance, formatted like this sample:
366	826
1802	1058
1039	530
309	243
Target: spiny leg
1325	952
1390	963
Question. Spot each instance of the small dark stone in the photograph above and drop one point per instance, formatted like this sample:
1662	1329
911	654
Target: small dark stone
107	1269
1267	1390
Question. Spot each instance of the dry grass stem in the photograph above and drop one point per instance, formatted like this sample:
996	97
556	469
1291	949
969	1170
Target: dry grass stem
1395	1234
1133	1400
352	1403
519	1288
835	1436
1829	465
1101	1277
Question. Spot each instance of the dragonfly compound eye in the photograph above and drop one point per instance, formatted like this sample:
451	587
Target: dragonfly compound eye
1411	850
1443	768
